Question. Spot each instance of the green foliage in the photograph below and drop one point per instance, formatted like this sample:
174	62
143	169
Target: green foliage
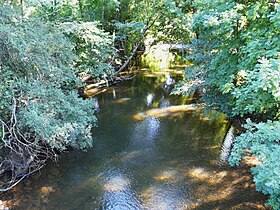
57	118
263	140
82	10
157	21
127	35
171	22
236	56
261	92
37	70
58	11
235	51
93	47
124	19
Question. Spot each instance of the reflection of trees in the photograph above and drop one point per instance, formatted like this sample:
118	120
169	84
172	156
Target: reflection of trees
147	147
196	136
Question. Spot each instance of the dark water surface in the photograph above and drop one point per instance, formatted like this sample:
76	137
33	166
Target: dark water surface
162	160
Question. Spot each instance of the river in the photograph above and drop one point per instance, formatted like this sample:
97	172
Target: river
145	155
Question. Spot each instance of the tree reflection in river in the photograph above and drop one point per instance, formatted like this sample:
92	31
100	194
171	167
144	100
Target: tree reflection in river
164	160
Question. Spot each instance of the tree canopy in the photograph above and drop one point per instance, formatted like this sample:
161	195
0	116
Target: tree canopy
235	51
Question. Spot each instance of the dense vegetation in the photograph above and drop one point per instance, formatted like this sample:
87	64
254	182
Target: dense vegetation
40	112
47	48
236	55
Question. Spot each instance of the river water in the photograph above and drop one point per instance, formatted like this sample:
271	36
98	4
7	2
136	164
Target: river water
145	155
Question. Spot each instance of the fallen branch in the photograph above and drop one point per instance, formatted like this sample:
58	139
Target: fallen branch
150	23
23	157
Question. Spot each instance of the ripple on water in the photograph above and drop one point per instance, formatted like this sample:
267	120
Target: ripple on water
169	191
150	152
117	192
165	197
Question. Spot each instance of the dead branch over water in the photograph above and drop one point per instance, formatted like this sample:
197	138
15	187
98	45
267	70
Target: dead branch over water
22	156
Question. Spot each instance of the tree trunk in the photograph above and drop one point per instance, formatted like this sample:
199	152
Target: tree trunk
149	25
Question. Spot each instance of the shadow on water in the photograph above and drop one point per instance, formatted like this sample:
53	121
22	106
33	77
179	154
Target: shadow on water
165	158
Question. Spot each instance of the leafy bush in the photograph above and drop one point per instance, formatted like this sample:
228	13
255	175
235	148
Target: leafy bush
236	57
235	52
40	112
56	117
93	47
262	140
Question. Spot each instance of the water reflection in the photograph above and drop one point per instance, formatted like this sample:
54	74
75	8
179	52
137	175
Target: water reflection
96	105
165	197
168	82
227	145
149	99
145	132
114	93
117	192
151	151
121	100
166	111
164	103
169	191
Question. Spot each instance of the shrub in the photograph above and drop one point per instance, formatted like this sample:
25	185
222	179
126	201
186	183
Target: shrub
40	112
262	140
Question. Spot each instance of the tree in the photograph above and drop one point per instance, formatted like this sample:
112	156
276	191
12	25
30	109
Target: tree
40	112
162	21
235	52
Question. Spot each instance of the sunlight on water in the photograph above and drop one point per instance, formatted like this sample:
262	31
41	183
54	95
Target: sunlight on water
165	111
117	191
151	151
117	183
165	197
227	145
167	175
149	99
121	100
145	132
